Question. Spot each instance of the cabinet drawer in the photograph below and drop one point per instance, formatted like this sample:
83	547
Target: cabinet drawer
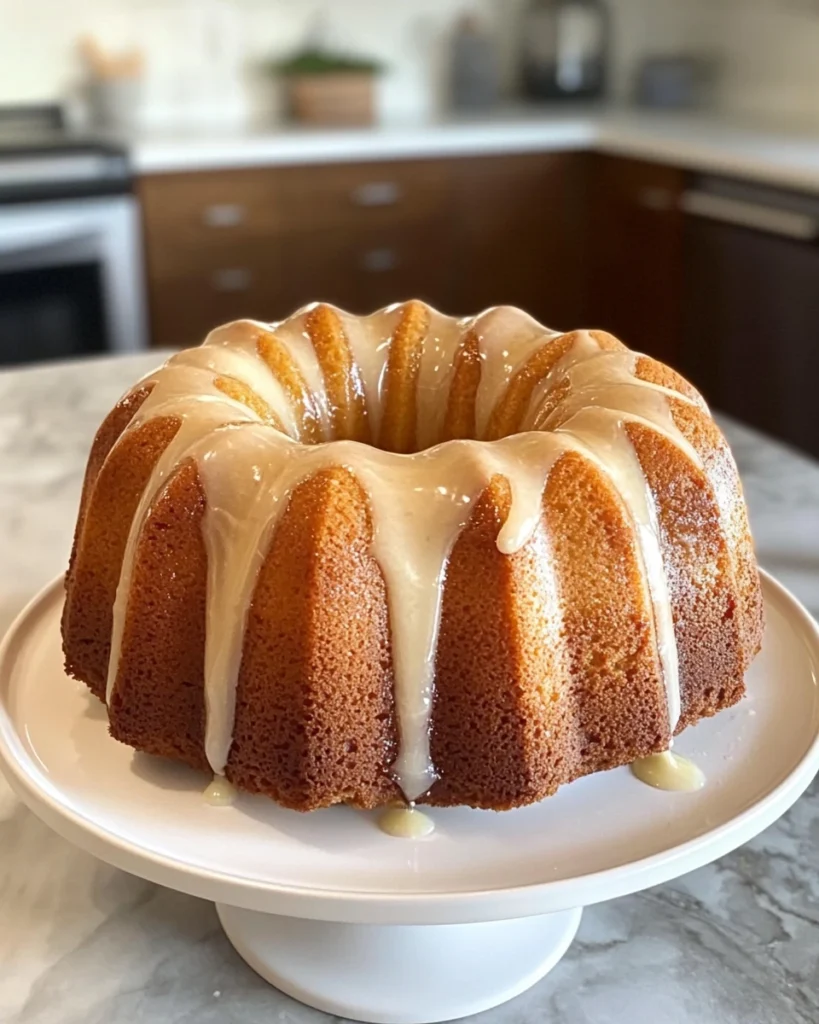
213	289
364	270
363	195
191	210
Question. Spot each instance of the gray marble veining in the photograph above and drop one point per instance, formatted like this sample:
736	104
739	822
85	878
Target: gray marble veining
736	942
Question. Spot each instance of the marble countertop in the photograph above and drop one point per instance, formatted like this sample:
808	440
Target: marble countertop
736	942
697	142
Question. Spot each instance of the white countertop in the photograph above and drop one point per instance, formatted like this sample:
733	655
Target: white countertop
696	142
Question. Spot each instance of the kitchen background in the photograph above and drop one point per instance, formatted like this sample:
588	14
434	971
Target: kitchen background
153	184
649	166
767	48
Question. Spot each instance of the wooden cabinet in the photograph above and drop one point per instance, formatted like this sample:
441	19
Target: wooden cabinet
751	309
635	254
186	212
212	286
462	234
367	269
213	251
520	234
365	235
262	242
576	239
364	197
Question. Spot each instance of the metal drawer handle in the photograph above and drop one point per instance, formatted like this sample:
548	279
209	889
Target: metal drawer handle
656	198
231	279
378	261
223	215
785	223
377	193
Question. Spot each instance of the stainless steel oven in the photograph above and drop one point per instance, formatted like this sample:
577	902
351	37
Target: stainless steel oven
71	278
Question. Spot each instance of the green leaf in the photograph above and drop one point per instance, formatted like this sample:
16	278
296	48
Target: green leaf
319	62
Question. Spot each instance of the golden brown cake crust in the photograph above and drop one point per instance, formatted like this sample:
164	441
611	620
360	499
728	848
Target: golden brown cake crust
314	715
158	703
466	378
398	429
115	479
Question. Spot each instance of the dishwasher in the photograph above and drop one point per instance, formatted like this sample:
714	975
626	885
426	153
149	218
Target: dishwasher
751	304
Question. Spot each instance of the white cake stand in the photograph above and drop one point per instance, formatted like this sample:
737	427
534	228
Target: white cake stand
351	921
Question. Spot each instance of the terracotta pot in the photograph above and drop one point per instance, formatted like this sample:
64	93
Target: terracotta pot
341	98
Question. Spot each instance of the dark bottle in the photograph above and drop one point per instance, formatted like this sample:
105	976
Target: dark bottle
565	44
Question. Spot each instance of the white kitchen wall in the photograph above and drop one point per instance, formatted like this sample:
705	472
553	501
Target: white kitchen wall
772	65
205	56
768	50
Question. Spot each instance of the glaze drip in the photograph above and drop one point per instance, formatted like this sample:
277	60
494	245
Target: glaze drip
220	793
406	823
669	771
419	502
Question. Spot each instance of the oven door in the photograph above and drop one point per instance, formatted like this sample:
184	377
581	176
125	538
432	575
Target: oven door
71	279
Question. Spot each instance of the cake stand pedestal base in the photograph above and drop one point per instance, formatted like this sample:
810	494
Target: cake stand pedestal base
396	974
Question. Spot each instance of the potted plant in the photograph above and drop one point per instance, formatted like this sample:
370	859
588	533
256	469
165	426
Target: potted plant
329	88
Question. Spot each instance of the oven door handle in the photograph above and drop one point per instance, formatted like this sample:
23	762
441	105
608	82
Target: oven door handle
771	220
40	238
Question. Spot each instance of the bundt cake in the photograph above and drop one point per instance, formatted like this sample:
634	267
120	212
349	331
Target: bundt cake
458	561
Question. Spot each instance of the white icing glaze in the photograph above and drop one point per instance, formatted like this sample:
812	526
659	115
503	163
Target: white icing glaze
670	772
441	345
220	793
200	413
507	338
231	351
419	503
605	394
406	823
292	335
369	339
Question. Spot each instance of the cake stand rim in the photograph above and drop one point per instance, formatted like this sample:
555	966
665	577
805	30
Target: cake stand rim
376	907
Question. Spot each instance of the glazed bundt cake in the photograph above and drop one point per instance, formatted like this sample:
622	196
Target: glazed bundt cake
355	559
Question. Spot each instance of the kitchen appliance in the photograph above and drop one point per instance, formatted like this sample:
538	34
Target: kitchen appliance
564	49
474	70
752	304
70	254
682	82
